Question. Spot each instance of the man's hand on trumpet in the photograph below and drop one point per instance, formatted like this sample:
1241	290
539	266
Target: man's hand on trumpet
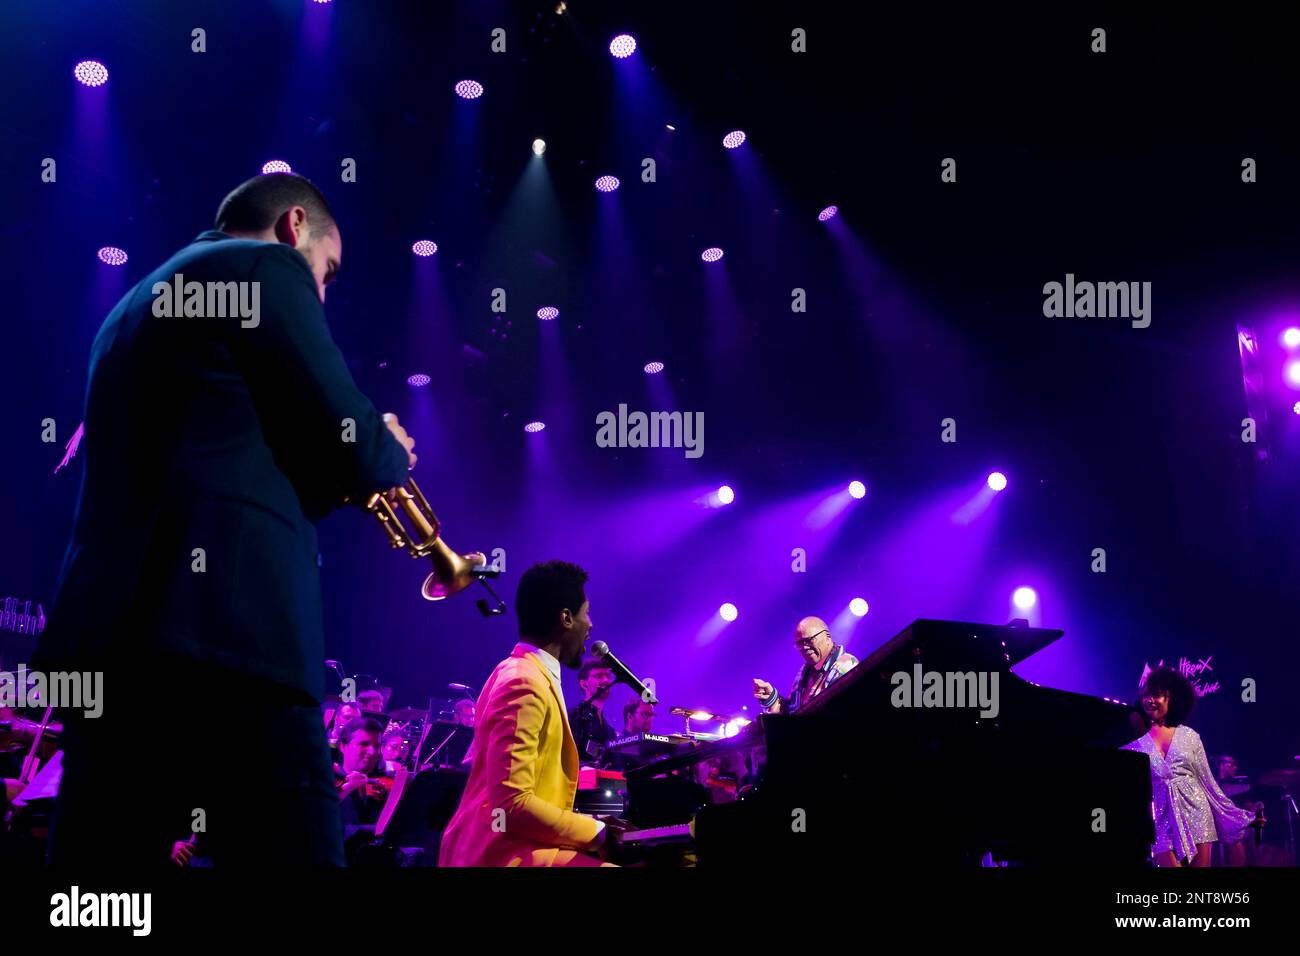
403	439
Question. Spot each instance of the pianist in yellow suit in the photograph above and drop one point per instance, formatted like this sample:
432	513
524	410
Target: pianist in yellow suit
517	808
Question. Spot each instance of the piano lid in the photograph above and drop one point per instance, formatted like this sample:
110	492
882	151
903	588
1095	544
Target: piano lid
1006	644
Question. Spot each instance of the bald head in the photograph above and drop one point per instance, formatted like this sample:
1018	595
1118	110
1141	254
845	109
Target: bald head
813	640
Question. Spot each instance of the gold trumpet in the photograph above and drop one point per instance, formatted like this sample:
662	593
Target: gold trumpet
452	572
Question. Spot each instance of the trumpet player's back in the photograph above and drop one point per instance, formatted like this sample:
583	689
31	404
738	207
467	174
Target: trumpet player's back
213	443
206	434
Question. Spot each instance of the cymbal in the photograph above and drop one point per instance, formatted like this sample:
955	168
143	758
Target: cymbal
1288	779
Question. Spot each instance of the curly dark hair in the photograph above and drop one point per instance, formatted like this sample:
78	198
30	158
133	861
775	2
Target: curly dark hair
1182	696
545	590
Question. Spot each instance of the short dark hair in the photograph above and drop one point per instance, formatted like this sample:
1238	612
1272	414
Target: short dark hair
358	725
255	205
631	706
544	591
1182	696
590	664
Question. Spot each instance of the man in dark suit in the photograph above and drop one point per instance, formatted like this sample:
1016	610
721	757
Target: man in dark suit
212	447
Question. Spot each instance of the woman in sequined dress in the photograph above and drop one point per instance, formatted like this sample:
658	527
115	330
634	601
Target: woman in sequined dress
1191	812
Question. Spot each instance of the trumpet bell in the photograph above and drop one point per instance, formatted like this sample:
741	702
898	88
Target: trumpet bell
452	572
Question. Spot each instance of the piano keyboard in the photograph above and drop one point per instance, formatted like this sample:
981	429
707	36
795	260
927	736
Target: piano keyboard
681	831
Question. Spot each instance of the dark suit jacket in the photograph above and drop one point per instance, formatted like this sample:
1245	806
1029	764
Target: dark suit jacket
205	433
590	728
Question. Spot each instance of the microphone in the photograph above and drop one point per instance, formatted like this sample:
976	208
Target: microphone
621	674
467	691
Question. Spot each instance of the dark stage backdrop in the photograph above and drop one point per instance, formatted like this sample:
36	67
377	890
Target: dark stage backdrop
924	301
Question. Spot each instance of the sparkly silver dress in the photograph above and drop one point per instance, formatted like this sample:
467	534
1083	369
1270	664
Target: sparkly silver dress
1189	806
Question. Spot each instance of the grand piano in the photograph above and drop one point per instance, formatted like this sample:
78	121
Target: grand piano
852	777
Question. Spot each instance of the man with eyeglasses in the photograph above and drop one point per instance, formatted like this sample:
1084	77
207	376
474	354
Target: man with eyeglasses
825	662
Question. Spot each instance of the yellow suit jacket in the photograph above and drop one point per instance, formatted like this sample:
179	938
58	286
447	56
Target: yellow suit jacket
517	808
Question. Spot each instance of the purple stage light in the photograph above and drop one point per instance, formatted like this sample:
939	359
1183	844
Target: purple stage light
623	45
90	73
548	312
859	607
1024	598
857	489
276	166
711	254
728	612
469	89
424	248
418	380
1293	373
997	481
653	368
725	495
1296	408
828	213
112	256
534	427
1291	337
734	138
607	184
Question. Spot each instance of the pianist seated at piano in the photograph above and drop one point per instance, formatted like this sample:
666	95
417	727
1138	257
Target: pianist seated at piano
1191	811
824	662
517	807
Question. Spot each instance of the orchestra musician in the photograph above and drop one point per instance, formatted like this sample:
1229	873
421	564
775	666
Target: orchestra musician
395	750
824	662
517	807
360	797
1226	771
212	447
1191	810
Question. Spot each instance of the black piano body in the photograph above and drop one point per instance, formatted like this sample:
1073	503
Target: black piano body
855	777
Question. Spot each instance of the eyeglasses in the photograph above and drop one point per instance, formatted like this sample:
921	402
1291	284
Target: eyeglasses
810	641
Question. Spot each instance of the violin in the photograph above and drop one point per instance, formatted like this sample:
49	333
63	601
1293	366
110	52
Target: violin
40	738
376	787
18	733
